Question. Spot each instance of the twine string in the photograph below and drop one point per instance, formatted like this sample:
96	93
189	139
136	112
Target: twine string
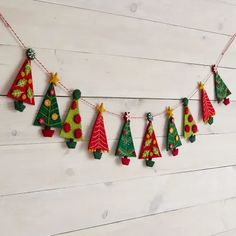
68	91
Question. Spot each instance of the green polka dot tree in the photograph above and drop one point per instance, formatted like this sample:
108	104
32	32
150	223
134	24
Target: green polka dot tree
72	125
173	139
125	147
22	88
221	90
190	128
149	148
48	115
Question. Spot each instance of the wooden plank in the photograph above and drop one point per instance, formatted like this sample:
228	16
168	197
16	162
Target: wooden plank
52	212
129	37
133	77
202	220
218	15
38	163
17	128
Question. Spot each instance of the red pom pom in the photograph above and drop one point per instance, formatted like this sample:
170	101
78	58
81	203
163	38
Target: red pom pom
66	127
194	129
77	119
73	105
78	133
41	121
186	110
187	128
190	118
52	92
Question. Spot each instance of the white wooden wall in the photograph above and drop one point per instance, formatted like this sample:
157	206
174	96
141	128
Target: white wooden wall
135	56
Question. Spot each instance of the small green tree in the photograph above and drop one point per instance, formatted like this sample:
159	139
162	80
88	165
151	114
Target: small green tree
173	139
221	90
48	115
125	147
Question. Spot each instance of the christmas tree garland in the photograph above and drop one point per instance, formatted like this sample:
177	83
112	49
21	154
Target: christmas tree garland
48	115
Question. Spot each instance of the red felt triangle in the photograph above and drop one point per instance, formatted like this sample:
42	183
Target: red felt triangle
207	109
98	139
149	148
23	89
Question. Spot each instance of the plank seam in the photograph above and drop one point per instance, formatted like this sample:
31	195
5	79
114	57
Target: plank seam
136	18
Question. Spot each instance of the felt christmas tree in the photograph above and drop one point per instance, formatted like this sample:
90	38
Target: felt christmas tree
125	147
48	115
72	125
221	90
190	127
208	110
98	140
149	148
22	88
173	139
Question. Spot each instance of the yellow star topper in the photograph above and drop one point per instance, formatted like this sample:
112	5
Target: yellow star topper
54	78
169	111
101	108
200	86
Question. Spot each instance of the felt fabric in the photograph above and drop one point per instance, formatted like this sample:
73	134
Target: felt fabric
48	114
22	88
221	90
98	139
208	110
149	148
125	147
189	127
173	139
72	128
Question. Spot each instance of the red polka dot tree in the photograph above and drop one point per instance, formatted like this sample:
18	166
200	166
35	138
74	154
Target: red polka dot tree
22	88
190	127
72	129
48	115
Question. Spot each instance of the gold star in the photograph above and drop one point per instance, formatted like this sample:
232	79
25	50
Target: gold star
54	78
169	111
101	108
200	86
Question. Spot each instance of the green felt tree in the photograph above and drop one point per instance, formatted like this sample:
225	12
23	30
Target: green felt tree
72	129
221	90
125	147
173	139
48	115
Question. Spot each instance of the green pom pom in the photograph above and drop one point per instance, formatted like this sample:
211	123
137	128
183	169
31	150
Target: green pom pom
185	101
30	54
149	116
76	94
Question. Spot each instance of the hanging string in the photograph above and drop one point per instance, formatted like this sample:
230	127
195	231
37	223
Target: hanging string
176	106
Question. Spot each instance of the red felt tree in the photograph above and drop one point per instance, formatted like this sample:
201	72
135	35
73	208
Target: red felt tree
208	110
98	140
22	88
149	148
